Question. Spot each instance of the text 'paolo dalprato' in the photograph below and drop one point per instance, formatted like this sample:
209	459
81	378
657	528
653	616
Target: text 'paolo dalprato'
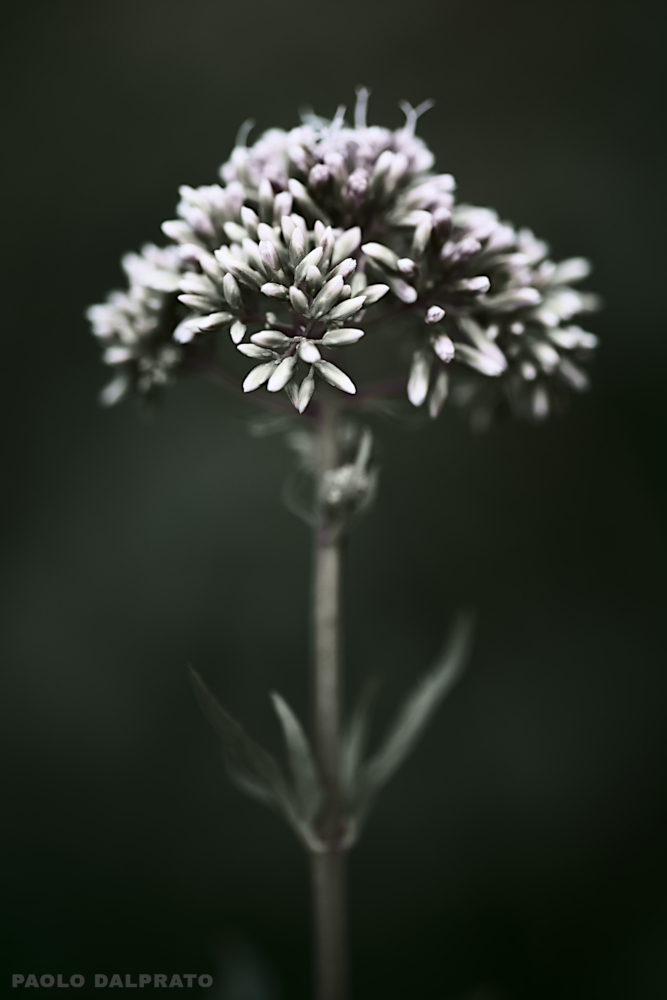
157	980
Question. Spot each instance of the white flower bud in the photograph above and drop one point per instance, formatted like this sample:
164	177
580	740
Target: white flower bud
341	338
298	158
547	356
215	321
345	268
420	373
297	246
270	338
574	375
438	395
265	200
314	280
117	355
299	300
540	402
287	226
422	236
236	233
210	267
476	286
485	363
198	302
381	255
346	244
114	391
241	271
237	331
403	291
434	314
373	293
259	375
443	347
186	330
326	297
292	390
574	269
282	205
514	298
458	253
308	352
344	310
283	373
274	290
197	284
306	390
266	232
250	220
254	351
231	291
311	259
270	260
335	376
301	196
406	266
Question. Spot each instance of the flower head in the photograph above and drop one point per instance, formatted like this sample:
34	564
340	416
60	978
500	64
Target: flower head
309	231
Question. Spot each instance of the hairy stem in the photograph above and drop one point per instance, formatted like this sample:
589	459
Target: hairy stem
328	868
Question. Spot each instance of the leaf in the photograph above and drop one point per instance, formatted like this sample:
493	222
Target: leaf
249	766
306	781
354	743
415	713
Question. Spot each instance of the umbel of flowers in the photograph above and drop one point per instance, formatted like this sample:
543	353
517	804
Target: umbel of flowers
313	240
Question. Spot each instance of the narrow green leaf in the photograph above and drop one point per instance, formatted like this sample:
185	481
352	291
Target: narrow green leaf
416	712
354	744
306	781
249	766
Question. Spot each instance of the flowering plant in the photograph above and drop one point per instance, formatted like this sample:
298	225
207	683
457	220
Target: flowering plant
340	240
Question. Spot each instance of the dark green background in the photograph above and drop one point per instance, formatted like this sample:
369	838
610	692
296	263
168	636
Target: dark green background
520	853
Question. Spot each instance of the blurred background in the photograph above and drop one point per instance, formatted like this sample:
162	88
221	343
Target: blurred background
520	853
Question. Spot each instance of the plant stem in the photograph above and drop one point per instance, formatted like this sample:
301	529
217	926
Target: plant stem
328	868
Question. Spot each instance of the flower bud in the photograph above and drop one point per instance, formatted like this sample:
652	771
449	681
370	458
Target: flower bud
274	290
254	351
308	352
381	255
335	376
346	244
299	300
438	395
434	314
420	373
282	374
341	338
443	347
344	310
311	259
270	338
259	375
231	291
373	293
326	297
237	331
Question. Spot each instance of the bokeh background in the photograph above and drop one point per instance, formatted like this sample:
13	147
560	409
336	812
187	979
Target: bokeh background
520	854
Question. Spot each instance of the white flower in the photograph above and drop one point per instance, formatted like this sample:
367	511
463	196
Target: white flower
319	231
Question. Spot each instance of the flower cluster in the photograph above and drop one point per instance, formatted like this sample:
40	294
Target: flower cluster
309	231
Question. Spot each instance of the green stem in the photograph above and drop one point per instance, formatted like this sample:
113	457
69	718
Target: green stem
328	868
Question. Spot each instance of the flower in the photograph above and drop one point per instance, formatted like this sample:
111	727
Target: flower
309	230
135	328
